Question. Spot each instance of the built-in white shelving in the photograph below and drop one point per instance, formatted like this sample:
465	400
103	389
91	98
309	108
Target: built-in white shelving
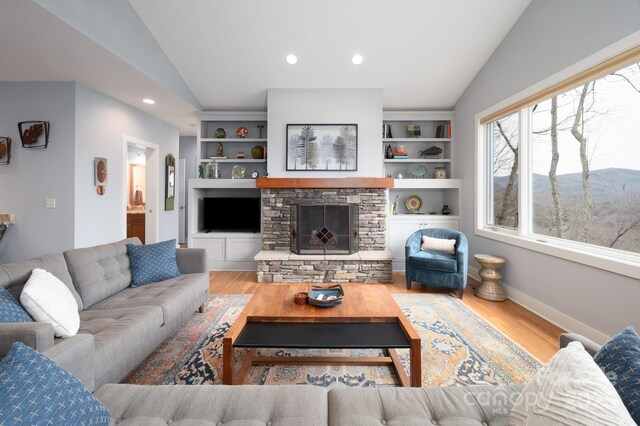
433	193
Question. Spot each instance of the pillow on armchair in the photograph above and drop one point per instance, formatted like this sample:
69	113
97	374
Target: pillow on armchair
438	244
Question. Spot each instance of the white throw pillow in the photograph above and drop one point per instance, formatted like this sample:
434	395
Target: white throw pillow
438	244
47	299
570	390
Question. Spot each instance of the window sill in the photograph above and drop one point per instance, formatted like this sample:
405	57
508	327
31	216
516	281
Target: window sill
627	264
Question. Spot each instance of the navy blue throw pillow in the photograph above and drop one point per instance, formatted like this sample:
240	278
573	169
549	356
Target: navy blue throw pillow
621	355
34	390
11	310
153	262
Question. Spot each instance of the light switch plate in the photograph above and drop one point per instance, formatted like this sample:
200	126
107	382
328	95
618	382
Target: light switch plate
50	203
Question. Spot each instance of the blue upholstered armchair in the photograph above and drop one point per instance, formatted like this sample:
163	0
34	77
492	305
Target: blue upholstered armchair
435	268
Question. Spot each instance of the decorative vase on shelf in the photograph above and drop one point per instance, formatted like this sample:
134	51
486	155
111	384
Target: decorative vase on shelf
446	210
220	133
257	152
440	173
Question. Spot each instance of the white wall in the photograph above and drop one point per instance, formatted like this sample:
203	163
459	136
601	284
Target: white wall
189	154
101	122
331	106
36	174
548	37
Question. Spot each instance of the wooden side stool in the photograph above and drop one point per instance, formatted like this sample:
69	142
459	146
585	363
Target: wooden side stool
490	288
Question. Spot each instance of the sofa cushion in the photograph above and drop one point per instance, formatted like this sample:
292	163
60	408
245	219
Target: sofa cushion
570	389
100	271
117	332
35	390
11	310
435	261
47	299
153	263
216	405
449	405
173	296
13	276
619	358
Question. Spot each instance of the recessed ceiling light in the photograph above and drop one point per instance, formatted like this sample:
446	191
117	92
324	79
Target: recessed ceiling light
357	59
291	59
148	101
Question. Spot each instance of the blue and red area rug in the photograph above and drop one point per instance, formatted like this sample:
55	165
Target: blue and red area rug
458	348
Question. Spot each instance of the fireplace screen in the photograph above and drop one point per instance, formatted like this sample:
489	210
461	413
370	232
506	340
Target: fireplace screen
329	228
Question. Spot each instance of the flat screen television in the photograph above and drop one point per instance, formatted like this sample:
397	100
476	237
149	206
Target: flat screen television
226	214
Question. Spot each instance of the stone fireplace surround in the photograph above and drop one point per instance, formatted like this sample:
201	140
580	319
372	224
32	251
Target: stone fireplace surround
276	263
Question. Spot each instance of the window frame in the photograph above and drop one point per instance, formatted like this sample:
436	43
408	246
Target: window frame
609	259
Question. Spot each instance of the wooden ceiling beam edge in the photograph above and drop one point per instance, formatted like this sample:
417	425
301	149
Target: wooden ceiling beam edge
307	183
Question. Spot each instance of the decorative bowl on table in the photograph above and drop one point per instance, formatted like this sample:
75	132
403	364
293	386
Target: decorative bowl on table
326	297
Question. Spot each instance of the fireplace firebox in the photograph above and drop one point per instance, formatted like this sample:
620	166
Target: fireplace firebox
324	228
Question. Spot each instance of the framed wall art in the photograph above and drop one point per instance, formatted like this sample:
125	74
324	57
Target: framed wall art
322	147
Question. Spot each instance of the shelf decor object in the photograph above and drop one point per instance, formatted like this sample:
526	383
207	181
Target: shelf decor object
31	134
322	147
413	204
170	180
220	133
237	172
242	132
434	150
417	171
413	130
5	150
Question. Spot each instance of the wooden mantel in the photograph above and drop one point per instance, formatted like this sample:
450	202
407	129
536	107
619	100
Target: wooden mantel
350	182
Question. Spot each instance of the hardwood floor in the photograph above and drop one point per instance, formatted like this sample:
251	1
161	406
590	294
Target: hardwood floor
535	334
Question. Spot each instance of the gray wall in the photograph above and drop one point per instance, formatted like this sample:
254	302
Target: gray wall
548	37
36	174
297	106
84	124
101	123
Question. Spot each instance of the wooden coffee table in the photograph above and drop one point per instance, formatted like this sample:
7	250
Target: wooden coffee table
368	318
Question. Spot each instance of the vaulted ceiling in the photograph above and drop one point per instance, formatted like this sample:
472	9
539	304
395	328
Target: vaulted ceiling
223	55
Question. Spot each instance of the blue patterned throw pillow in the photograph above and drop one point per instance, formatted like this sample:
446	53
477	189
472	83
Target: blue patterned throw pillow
11	310
153	262
619	358
34	390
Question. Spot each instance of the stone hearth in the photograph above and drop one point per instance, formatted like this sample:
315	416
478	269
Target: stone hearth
276	263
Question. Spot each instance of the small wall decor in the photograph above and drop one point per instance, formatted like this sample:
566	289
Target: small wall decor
34	134
170	178
321	147
100	171
5	150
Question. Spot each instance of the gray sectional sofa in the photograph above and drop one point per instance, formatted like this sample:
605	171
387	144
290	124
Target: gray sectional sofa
303	405
119	326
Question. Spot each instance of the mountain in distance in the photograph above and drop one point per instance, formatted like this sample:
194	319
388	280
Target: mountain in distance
606	184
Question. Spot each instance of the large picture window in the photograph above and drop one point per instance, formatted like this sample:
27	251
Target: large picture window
563	166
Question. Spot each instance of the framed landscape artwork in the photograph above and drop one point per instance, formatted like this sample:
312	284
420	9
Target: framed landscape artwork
322	147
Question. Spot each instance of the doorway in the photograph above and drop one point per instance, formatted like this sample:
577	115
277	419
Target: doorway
141	189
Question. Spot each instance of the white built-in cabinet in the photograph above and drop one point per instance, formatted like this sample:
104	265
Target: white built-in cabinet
434	193
230	251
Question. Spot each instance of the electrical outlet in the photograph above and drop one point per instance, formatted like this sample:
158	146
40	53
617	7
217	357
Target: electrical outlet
49	203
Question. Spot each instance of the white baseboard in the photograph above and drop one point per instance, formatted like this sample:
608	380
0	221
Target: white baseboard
547	312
